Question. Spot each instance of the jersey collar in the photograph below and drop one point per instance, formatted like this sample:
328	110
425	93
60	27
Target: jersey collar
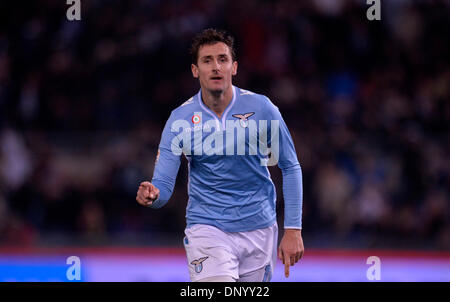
210	112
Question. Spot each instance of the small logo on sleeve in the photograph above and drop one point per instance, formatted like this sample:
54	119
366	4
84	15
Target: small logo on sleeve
198	264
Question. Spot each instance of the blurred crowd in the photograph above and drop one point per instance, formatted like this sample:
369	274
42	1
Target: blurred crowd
83	104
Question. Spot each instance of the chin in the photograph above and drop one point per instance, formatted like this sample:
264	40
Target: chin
216	89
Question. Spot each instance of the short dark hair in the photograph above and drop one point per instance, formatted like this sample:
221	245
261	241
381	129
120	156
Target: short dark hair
211	36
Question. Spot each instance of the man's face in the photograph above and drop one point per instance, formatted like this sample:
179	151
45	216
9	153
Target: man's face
215	67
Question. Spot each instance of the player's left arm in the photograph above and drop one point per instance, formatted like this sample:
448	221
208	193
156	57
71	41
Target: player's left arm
291	247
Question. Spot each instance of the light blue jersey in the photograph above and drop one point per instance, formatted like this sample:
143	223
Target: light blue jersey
229	182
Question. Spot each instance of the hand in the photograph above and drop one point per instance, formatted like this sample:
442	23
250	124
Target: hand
147	194
291	248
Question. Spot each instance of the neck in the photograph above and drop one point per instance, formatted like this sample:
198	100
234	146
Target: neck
217	101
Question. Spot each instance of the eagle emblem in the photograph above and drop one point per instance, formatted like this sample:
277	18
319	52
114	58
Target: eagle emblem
243	118
198	264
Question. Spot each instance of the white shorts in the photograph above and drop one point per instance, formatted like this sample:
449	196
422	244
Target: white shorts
244	256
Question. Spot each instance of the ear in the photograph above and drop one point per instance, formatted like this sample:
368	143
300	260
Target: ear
234	68
194	69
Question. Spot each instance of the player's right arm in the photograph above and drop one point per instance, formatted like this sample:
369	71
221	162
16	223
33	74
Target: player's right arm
157	193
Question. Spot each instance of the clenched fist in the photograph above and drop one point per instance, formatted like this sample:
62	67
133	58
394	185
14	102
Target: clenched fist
147	194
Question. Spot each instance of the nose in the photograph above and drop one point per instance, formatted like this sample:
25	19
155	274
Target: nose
216	65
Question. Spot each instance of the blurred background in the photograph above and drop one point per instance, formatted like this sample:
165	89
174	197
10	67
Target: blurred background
83	104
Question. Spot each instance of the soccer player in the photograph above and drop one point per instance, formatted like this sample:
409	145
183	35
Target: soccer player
229	136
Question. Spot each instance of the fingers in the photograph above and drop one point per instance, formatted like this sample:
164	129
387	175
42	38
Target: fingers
144	189
146	184
147	193
289	259
154	192
149	190
300	254
287	263
143	201
143	192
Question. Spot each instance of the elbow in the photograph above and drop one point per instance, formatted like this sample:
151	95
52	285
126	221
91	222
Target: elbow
291	169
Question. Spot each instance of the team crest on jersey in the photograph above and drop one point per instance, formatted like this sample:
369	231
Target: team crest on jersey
196	119
198	264
243	118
